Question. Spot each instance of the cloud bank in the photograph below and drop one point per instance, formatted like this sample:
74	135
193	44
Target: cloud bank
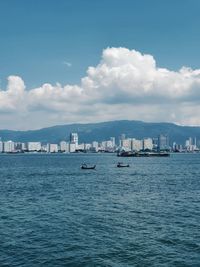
126	84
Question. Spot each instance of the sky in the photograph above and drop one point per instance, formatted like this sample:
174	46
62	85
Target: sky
71	61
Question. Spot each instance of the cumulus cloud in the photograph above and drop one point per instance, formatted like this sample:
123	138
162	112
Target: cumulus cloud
126	84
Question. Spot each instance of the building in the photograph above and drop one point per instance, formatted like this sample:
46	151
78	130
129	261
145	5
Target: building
1	146
64	146
34	146
136	145
74	139
126	144
8	146
147	144
95	146
112	139
53	148
87	147
72	147
81	147
121	138
24	146
163	142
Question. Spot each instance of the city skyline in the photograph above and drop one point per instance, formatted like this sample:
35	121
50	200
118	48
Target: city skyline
93	61
72	145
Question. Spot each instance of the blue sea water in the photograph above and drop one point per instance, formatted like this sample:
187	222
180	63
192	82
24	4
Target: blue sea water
52	213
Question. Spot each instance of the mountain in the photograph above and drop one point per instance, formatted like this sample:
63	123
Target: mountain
103	131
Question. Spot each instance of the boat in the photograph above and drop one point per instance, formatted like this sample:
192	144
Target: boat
143	154
88	167
122	165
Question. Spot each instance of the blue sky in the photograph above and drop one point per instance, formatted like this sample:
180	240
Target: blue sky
113	59
38	36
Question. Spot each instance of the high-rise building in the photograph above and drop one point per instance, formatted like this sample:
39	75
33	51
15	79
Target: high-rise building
112	139
121	138
147	143
72	147
74	139
163	142
53	148
8	146
136	145
1	146
64	146
126	143
34	146
95	146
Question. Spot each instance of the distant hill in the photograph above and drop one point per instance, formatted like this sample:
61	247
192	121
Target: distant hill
103	131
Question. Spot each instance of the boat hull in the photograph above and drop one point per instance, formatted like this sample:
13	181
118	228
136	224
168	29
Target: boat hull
143	154
88	167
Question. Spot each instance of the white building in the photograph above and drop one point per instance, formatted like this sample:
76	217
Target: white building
24	146
74	139
108	145
87	146
34	146
72	147
1	146
81	146
95	146
53	148
136	145
126	144
64	146
112	139
8	146
189	144
148	143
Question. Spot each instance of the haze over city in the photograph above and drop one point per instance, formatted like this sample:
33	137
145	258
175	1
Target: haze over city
91	61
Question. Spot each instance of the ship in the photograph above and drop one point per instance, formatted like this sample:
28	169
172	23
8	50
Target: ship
142	154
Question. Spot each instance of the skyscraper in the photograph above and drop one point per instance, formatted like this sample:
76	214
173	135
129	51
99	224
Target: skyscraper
121	138
163	142
74	139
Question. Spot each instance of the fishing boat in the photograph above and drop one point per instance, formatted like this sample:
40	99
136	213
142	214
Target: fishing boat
88	167
122	165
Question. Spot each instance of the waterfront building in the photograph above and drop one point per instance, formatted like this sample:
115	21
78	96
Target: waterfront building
72	147
87	147
103	145
44	148
189	146
1	146
81	146
18	146
64	146
163	142
155	143
121	138
147	143
8	146
34	146
74	139
53	148
136	145
24	146
107	145
112	139
126	144
95	146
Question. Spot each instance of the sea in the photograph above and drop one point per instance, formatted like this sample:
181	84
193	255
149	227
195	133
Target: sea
53	213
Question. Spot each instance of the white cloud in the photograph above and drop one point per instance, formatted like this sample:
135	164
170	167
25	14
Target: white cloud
124	85
68	64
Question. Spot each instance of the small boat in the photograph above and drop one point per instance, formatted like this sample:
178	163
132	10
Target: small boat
86	167
122	165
